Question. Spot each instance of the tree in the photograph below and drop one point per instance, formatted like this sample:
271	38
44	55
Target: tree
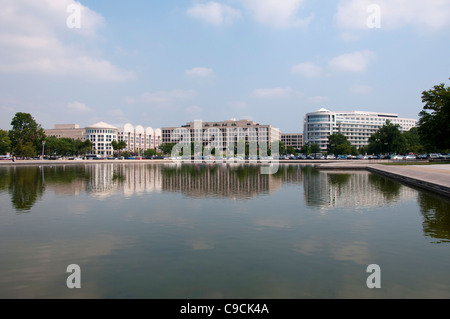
5	142
388	139
413	143
338	144
305	150
282	147
343	149
167	148
83	147
66	146
315	148
150	152
433	125
26	135
290	150
118	146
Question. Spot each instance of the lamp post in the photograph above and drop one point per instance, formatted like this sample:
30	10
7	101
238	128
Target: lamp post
43	145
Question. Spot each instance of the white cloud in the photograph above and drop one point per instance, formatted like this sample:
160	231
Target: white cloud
214	13
352	62
272	92
199	72
308	69
276	13
78	107
34	38
428	15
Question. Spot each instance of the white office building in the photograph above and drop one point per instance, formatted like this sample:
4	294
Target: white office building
138	138
357	126
101	134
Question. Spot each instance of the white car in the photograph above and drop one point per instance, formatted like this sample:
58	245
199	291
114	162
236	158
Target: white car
398	157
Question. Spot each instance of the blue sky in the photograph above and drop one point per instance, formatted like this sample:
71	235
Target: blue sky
165	63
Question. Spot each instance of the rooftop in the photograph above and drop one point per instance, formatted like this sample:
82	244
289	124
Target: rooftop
101	125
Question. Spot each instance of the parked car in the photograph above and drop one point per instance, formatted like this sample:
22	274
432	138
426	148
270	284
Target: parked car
434	156
318	156
410	157
398	157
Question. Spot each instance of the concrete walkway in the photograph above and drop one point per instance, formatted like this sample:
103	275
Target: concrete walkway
435	178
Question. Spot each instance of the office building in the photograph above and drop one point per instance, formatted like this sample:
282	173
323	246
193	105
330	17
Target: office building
292	139
138	138
72	131
101	135
221	135
357	126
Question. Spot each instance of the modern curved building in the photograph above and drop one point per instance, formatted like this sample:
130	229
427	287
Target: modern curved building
357	126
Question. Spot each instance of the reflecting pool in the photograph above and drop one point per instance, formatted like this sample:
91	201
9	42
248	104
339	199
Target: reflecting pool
218	231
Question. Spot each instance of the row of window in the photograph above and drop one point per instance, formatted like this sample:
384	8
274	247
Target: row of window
101	138
97	131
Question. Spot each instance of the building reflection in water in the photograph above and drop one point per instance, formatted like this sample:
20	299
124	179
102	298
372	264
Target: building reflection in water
236	181
321	189
355	189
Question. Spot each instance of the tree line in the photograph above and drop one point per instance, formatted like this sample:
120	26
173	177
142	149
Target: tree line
27	139
432	134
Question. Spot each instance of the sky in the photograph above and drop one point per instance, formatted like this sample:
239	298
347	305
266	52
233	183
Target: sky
166	63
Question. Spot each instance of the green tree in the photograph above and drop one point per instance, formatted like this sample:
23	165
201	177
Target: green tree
434	119
118	146
290	150
338	144
26	135
413	143
315	148
51	145
343	149
282	147
83	147
167	148
150	152
5	142
25	150
305	150
388	139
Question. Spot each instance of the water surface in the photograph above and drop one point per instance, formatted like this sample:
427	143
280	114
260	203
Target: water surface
218	231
